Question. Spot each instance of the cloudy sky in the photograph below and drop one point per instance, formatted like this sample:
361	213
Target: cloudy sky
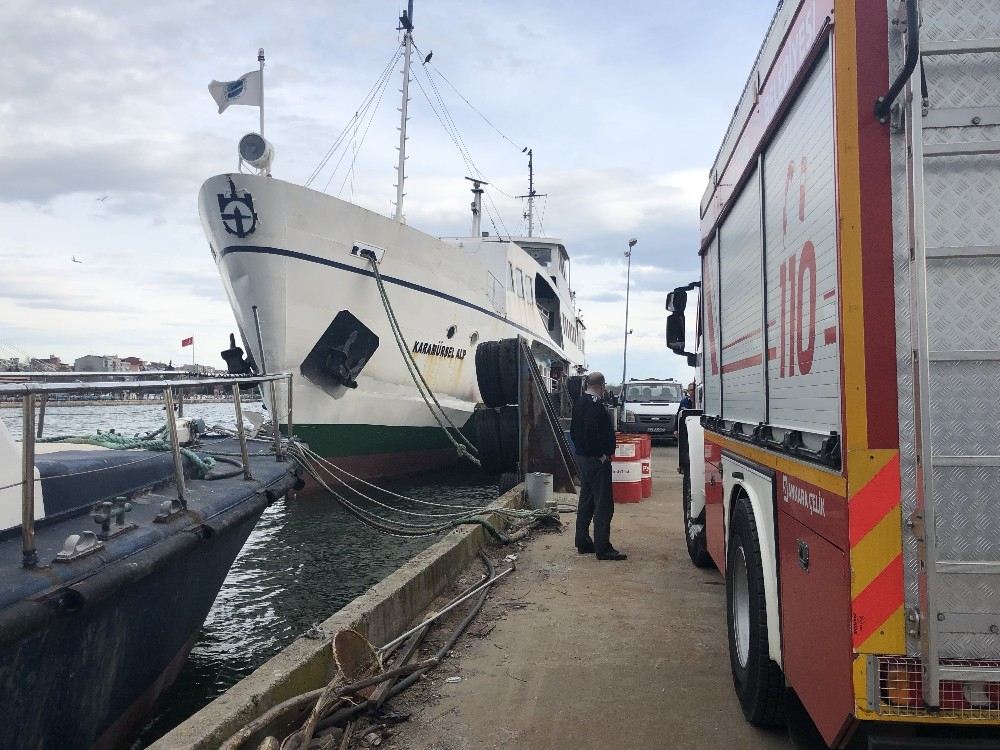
107	131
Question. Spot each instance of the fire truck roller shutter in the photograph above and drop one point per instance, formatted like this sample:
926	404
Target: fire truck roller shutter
801	264
741	261
757	491
711	363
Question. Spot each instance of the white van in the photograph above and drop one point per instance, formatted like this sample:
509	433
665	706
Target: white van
650	407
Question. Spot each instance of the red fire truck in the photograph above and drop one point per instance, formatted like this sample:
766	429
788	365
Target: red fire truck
843	469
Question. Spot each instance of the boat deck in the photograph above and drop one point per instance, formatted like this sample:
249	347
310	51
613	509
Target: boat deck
587	654
123	472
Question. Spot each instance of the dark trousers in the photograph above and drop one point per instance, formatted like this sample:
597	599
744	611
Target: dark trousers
595	503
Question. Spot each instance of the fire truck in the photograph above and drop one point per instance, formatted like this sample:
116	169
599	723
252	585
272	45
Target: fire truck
843	468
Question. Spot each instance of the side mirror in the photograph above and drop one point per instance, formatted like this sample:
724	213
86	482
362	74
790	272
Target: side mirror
677	301
676	333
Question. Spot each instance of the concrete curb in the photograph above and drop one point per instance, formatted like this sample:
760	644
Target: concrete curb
379	614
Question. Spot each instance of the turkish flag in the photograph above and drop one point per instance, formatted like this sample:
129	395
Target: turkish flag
189	341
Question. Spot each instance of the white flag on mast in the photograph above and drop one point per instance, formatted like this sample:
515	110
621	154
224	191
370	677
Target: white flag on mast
246	90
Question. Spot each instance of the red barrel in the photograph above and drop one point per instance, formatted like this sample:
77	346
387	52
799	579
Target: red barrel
647	466
626	470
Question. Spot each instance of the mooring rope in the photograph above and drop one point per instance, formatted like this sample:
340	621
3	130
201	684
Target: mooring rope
112	440
316	467
465	449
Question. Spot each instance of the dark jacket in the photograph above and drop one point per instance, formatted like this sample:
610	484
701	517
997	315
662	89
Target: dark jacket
591	429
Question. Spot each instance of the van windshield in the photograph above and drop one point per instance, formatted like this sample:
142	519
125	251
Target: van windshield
645	392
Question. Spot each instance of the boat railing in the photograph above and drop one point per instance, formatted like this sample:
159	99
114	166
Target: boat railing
33	395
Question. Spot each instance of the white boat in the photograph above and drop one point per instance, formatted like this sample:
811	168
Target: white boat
295	266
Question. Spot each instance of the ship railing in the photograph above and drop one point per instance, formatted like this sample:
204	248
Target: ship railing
33	395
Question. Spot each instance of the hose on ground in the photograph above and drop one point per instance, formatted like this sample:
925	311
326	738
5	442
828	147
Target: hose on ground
351	712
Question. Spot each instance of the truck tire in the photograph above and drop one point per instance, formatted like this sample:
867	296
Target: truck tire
697	539
488	374
758	681
507	357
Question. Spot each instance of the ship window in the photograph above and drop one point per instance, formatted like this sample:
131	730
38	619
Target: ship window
529	290
520	283
510	267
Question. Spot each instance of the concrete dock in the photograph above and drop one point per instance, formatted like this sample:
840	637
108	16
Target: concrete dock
586	654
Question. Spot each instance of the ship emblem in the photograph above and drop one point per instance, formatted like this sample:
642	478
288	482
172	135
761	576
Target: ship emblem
238	216
235	89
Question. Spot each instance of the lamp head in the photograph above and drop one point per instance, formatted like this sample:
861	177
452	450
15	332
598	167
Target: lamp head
632	242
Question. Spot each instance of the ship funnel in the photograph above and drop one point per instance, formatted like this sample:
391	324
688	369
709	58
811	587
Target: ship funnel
257	151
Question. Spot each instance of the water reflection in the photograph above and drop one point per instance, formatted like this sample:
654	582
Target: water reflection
306	559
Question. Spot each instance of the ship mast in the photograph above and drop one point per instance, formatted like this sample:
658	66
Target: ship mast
405	24
530	214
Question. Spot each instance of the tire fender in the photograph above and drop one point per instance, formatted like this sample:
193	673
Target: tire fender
696	462
759	489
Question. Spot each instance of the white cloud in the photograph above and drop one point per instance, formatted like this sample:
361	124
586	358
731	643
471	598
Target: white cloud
109	98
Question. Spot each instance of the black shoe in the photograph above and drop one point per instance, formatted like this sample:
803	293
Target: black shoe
587	548
612	554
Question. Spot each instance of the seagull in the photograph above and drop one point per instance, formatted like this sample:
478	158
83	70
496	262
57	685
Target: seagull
101	199
76	261
429	56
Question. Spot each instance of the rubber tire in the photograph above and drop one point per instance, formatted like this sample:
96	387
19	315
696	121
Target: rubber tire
510	437
508	481
486	431
759	686
697	546
508	370
802	730
488	374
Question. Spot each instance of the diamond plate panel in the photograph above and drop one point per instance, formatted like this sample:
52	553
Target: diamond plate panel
965	412
962	200
960	81
968	520
950	20
961	209
966	292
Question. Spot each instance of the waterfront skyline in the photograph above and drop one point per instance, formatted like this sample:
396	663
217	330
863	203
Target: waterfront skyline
107	135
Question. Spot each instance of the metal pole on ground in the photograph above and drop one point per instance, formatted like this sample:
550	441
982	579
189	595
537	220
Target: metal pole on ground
275	423
628	284
175	446
291	426
241	431
29	555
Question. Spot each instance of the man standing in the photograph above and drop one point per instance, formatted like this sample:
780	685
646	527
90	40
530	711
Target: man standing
594	438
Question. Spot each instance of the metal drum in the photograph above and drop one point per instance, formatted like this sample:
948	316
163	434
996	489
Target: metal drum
626	470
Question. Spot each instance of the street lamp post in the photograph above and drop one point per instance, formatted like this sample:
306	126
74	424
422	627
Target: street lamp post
628	283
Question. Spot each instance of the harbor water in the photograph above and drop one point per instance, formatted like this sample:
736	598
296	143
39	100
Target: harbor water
305	559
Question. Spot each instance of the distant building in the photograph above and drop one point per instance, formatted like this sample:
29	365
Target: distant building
100	363
157	366
50	364
133	364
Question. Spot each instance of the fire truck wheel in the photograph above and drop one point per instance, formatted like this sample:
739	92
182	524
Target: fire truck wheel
758	680
694	531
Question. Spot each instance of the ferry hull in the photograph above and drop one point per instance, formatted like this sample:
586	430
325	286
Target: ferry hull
295	271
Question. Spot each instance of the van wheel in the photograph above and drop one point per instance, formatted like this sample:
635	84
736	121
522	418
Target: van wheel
694	531
758	681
